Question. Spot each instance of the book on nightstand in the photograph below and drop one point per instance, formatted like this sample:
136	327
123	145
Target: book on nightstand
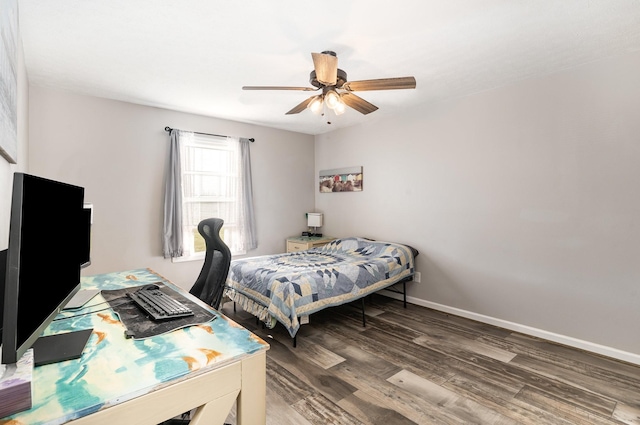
15	385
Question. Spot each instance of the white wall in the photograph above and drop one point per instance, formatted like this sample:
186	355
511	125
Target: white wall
22	162
523	202
118	151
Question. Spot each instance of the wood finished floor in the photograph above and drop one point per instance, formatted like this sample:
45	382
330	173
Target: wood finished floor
421	366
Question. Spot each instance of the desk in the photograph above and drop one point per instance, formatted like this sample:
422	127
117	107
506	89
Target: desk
206	367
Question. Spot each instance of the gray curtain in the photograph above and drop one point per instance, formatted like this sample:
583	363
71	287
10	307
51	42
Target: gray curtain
250	238
172	230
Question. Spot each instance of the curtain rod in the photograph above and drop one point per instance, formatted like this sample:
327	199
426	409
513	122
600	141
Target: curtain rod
168	129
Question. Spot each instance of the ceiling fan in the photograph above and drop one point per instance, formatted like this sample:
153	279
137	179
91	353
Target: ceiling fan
336	90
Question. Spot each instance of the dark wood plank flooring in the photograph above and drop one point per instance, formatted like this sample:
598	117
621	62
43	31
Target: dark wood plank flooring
421	366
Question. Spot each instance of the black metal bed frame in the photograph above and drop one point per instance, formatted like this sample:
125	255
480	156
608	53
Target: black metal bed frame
389	288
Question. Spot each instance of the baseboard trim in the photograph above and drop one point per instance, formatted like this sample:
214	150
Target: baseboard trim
527	330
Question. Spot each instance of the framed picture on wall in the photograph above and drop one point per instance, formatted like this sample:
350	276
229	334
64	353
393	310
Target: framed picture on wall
8	80
348	179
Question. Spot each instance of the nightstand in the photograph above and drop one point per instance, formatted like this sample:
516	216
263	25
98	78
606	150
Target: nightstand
301	243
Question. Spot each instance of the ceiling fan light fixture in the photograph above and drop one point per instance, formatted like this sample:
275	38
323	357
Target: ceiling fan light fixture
337	92
332	98
316	105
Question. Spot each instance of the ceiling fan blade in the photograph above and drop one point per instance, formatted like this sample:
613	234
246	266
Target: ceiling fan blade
326	67
300	106
381	84
358	103
278	88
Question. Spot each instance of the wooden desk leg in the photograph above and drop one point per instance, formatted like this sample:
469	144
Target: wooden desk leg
214	412
252	401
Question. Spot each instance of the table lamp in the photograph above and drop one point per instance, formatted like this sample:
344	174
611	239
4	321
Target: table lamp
314	220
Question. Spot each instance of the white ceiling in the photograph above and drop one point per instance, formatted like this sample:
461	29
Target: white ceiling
196	55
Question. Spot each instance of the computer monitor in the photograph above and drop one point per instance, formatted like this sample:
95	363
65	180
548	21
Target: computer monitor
47	247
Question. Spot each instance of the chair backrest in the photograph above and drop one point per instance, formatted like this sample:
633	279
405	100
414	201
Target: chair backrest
209	285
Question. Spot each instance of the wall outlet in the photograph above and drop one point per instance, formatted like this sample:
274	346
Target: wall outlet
417	276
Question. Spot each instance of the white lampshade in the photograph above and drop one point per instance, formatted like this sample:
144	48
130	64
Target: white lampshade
332	98
314	219
316	105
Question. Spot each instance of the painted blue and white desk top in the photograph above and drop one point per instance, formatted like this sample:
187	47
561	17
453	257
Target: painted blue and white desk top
114	369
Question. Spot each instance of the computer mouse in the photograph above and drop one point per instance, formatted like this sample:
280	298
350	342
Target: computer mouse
149	286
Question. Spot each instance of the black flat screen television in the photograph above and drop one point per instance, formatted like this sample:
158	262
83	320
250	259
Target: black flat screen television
48	244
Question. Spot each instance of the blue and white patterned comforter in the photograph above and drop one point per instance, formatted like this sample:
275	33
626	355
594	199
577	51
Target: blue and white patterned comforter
284	287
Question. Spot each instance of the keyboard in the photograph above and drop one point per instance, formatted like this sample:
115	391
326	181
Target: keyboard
158	305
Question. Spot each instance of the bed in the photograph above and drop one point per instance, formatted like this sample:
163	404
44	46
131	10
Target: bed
287	287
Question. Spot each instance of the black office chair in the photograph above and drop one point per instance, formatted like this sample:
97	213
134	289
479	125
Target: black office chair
209	286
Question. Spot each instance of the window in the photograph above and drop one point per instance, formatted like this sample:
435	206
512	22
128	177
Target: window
211	187
208	176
